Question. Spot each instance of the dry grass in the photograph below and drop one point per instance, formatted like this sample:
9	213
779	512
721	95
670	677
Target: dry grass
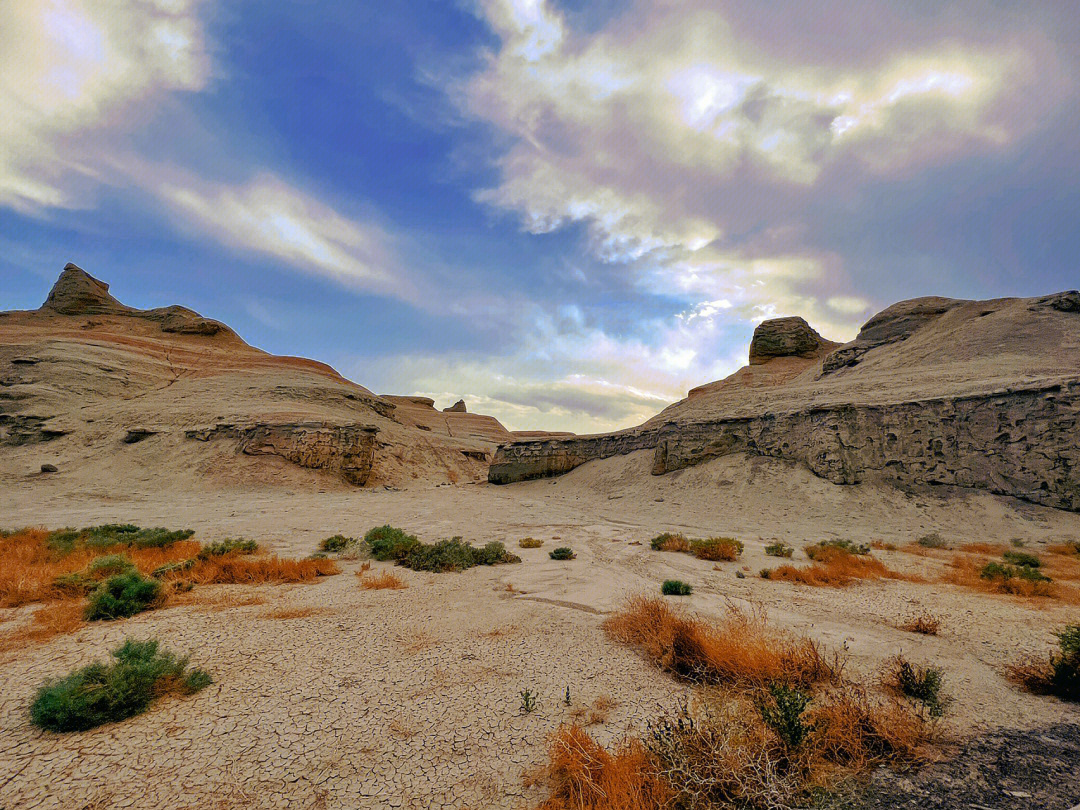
582	775
1065	549
716	549
246	570
284	614
740	651
674	542
530	542
52	620
384	581
967	573
925	623
836	568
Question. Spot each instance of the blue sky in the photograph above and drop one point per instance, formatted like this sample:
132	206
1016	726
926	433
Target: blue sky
567	213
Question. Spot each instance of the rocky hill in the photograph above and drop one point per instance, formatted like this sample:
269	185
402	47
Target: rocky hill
91	386
979	394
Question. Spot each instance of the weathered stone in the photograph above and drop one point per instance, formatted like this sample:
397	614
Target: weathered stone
785	337
457	407
521	461
49	468
19	430
348	450
76	292
136	435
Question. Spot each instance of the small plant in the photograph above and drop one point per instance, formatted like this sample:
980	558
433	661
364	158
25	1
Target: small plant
782	712
717	548
925	623
822	550
388	543
105	693
675	587
765	573
932	540
1060	674
121	596
920	683
227	546
566	698
778	549
740	575
999	572
1022	558
339	542
669	541
528	700
530	542
381	582
562	553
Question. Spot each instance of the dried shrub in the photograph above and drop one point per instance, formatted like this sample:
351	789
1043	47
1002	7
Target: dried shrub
925	623
230	570
854	729
933	540
833	567
59	618
582	775
669	541
717	548
881	545
741	651
1065	549
530	542
383	581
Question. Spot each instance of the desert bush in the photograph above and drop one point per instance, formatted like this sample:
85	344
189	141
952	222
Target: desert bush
388	543
530	542
675	587
925	623
922	684
1068	548
933	540
1003	572
1059	675
778	549
826	549
104	693
108	565
834	566
740	651
382	581
717	548
227	546
1022	558
122	595
562	553
669	541
782	711
336	543
115	535
454	555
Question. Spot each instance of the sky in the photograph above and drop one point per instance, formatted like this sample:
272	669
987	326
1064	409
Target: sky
566	212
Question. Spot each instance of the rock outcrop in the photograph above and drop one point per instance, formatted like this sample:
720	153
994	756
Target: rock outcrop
976	394
786	337
457	407
76	292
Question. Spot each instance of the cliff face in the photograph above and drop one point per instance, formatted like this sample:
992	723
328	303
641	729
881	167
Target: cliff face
983	395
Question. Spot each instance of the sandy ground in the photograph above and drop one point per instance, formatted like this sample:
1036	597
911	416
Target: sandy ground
411	698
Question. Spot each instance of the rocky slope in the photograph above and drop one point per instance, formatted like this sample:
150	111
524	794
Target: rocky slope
91	386
980	394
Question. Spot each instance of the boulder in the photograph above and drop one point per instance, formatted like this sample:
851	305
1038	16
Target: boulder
457	407
785	337
49	468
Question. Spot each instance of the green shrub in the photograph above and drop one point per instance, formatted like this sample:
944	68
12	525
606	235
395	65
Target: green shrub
782	712
778	549
105	693
112	564
562	553
996	571
932	540
530	542
388	543
115	534
1022	558
675	587
454	555
922	684
1065	668
814	551
121	596
338	542
227	546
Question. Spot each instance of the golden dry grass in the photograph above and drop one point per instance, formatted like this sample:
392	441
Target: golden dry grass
384	581
232	569
926	624
836	568
674	542
716	549
967	573
284	614
741	651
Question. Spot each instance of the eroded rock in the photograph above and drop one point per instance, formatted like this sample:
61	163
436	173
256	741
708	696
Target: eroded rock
785	337
76	292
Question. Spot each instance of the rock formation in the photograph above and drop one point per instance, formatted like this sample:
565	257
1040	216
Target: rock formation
978	394
457	407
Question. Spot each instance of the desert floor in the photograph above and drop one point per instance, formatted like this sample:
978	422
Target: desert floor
327	695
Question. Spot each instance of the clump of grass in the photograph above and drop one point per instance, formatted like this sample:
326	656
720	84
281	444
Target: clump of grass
227	546
926	624
1004	573
105	693
717	548
779	549
338	542
454	555
1065	549
834	566
932	540
1022	559
1059	675
826	548
741	651
562	553
110	564
669	541
121	596
382	581
676	587
530	542
110	535
388	543
232	570
919	683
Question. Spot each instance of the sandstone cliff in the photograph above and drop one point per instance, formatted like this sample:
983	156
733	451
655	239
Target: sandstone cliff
979	394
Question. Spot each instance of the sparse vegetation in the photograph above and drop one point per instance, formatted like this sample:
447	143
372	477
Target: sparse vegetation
921	684
386	580
1022	559
1066	549
825	549
121	596
227	546
530	542
716	549
562	553
675	587
834	566
528	700
388	543
668	541
933	540
778	549
926	624
1059	675
104	693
